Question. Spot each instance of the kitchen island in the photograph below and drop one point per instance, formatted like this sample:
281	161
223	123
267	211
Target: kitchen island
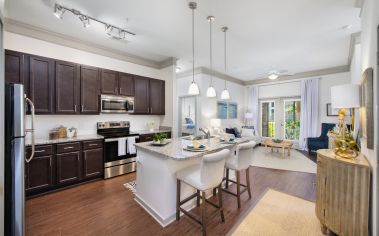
156	180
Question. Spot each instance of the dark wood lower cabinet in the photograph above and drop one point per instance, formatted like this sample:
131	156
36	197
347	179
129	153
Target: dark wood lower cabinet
68	167
93	164
39	173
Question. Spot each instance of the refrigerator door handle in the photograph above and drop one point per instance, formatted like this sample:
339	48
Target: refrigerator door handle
31	130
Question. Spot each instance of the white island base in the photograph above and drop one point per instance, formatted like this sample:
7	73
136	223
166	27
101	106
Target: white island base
156	179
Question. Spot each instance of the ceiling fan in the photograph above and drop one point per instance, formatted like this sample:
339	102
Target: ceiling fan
275	74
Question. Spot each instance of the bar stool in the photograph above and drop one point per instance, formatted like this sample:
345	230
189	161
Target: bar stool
238	162
207	175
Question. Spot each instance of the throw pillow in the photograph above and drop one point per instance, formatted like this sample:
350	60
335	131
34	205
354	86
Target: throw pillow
237	133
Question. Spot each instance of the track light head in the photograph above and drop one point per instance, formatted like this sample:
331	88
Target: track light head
85	21
58	11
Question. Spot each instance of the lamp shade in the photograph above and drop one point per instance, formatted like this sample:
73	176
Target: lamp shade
345	96
193	89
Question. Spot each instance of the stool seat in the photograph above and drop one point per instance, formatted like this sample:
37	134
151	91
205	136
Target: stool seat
191	176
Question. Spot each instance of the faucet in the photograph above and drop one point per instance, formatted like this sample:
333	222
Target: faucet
207	133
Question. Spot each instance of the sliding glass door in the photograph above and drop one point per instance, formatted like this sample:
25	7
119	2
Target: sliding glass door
280	118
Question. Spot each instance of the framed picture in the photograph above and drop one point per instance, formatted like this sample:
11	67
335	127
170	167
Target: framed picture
330	111
367	107
227	110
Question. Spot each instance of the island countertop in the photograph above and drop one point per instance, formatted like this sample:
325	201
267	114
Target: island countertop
174	149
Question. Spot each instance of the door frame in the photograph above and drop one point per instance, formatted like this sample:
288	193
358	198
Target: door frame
260	115
284	116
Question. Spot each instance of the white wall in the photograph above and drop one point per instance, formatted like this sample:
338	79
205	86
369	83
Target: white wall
87	124
369	49
207	108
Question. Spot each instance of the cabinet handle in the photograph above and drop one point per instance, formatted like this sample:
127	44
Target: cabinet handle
82	107
151	110
119	90
92	144
39	151
75	108
85	158
78	158
50	161
65	148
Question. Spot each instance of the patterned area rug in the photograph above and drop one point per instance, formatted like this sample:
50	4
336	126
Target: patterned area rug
278	213
131	186
262	157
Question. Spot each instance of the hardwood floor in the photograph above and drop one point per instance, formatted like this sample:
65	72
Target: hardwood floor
106	207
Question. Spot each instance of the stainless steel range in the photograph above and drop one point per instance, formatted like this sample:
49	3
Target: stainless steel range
119	151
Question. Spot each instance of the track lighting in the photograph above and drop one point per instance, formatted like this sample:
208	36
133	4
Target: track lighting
211	91
193	88
225	95
111	30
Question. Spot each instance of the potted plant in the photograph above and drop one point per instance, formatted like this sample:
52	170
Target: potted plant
160	138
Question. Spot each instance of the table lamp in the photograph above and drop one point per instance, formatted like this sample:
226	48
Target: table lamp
344	97
248	116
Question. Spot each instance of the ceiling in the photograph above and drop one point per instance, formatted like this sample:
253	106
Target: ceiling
296	35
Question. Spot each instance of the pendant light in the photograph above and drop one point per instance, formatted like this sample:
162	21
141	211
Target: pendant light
193	88
211	92
225	93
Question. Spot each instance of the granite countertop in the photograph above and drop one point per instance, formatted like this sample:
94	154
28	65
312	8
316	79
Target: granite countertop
174	150
40	141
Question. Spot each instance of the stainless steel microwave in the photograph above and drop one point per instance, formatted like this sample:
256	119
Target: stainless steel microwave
117	104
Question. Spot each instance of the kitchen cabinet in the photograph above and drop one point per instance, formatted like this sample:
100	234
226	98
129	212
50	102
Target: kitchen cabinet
41	84
126	84
93	164
109	82
141	98
68	167
90	90
157	97
149	137
39	171
66	87
14	66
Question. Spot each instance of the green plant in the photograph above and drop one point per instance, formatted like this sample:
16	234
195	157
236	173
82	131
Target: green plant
159	137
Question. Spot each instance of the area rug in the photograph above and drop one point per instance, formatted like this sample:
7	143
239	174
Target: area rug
263	157
131	186
279	214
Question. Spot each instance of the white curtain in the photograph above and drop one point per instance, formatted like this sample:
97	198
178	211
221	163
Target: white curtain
252	105
309	111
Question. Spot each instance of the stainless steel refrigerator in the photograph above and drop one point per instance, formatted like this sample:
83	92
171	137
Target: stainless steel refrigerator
15	103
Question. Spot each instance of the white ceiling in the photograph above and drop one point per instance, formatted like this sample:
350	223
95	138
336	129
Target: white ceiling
296	35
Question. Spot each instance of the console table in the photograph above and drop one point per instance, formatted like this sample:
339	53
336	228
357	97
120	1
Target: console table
342	195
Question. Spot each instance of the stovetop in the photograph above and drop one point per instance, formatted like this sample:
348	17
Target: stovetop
117	135
115	129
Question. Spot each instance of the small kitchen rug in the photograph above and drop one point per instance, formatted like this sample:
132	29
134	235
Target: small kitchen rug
131	186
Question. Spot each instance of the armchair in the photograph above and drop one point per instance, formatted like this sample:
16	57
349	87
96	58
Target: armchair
321	142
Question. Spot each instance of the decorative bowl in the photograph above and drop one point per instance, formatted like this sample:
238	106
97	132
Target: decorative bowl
277	140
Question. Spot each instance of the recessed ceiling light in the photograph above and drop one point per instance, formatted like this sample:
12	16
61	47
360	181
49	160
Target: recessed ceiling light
273	76
178	68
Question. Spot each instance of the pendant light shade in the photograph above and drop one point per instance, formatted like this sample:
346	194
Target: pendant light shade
193	88
225	93
211	91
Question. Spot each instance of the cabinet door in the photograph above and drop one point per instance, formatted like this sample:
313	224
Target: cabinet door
93	164
14	67
39	173
68	167
66	87
141	98
126	84
109	82
157	97
90	90
41	84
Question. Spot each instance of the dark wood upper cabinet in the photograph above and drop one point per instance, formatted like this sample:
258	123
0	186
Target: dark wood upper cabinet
109	82
126	84
68	167
41	84
93	164
14	66
90	90
141	98
157	97
66	87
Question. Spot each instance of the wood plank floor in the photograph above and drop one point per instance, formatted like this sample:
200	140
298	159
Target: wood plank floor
106	207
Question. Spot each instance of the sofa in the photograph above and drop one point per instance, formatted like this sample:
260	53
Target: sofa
244	131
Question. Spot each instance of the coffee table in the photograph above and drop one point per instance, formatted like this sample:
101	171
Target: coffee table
285	144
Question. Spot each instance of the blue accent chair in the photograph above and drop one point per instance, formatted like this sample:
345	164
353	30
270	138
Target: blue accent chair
321	142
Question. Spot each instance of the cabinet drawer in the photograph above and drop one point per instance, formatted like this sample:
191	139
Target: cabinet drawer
92	144
146	137
43	150
68	147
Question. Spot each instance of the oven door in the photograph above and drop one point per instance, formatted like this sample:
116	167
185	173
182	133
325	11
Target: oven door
111	152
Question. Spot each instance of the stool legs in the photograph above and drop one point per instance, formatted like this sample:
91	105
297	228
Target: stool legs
220	203
238	176
203	214
248	182
227	179
198	198
178	199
